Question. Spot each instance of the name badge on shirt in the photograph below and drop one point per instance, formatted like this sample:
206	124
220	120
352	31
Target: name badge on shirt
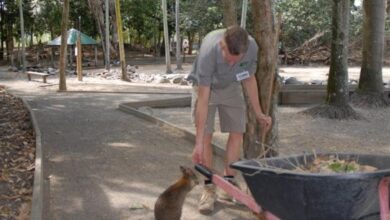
242	75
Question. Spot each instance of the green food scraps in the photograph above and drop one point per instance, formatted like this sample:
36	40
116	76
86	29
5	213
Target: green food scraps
343	167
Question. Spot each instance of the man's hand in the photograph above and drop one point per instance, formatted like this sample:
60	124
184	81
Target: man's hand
197	154
265	121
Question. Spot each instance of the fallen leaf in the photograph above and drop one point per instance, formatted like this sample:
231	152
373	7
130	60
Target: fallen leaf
138	206
24	212
31	167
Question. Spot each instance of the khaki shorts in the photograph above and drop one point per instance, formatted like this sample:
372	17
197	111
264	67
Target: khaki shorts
231	107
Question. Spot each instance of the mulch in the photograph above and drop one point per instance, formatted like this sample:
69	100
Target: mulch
17	157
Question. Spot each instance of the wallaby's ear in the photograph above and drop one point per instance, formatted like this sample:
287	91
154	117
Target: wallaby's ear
183	169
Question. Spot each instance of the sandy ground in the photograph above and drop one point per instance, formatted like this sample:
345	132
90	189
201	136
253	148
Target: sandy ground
300	133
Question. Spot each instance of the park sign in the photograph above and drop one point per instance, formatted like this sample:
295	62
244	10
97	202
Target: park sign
72	39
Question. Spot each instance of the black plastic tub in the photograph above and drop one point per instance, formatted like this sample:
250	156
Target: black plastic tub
293	195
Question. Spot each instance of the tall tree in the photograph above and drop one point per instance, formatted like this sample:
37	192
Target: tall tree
22	35
96	6
166	37
229	12
2	30
121	44
388	6
370	89
256	142
10	14
64	45
178	36
114	45
244	13
107	31
336	105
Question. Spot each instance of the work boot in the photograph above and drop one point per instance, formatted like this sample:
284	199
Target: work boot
222	195
207	200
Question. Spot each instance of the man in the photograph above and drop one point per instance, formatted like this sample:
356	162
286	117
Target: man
227	59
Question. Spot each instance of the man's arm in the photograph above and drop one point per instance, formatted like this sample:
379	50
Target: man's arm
250	86
200	121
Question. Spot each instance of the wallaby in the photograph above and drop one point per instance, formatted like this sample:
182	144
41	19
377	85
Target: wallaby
170	203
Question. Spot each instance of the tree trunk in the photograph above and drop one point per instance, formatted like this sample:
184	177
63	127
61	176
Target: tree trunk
10	45
370	89
266	36
22	36
159	44
190	42
19	56
229	12
52	35
336	106
64	45
114	32
32	36
155	40
96	7
97	11
338	74
120	36
178	38
2	30
244	13
107	38
166	37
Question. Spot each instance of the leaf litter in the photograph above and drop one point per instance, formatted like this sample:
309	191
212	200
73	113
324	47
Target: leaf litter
17	156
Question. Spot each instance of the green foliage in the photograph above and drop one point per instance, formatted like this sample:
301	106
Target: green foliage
49	12
141	19
80	10
200	16
356	22
302	19
11	16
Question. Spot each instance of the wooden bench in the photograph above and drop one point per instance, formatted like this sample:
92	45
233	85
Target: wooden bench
44	75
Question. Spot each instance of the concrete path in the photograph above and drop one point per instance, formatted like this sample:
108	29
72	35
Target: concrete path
101	163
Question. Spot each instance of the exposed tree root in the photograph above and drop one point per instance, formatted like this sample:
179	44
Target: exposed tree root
344	112
369	100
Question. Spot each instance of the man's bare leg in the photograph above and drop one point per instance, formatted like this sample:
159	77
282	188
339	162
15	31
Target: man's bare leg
233	148
232	155
208	151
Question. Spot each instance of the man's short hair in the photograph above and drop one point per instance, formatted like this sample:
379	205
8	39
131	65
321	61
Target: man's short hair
236	39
